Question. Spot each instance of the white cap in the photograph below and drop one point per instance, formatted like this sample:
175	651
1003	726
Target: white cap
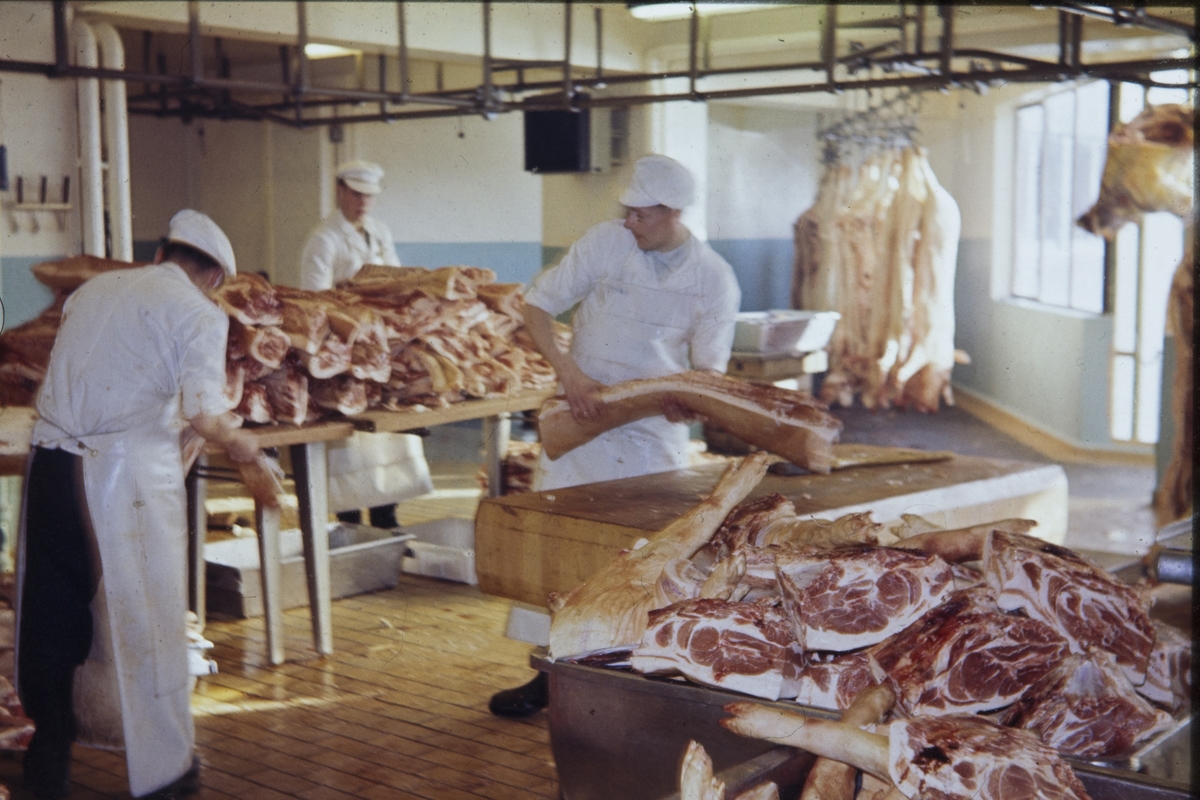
659	180
199	231
361	176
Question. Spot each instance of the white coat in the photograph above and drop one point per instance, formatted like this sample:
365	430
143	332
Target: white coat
138	352
367	469
640	315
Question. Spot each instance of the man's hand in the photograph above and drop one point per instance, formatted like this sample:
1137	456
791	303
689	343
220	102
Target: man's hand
675	410
225	430
582	392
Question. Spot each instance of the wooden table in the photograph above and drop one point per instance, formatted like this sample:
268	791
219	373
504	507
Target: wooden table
528	545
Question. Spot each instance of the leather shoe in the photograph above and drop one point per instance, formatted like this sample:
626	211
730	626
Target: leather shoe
185	784
523	700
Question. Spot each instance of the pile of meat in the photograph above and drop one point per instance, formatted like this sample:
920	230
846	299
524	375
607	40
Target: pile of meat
391	337
1150	168
763	602
879	246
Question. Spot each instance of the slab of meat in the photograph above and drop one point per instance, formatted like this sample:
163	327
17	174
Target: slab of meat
250	299
746	522
370	359
1087	606
1085	707
966	656
1169	673
254	405
267	345
853	597
777	420
344	394
611	609
450	283
70	273
833	680
305	321
737	646
332	358
1148	168
287	392
959	757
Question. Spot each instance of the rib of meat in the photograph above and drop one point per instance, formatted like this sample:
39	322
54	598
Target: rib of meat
287	392
833	680
305	321
966	656
610	610
254	405
1148	168
250	299
70	273
737	646
1085	707
833	780
1169	673
344	393
1086	605
777	420
853	597
267	345
332	358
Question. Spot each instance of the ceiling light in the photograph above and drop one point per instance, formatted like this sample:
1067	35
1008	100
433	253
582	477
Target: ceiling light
664	11
315	50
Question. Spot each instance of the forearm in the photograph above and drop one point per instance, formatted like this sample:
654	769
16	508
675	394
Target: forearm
224	431
540	326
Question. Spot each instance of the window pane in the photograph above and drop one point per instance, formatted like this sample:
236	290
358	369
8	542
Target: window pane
1122	398
1091	146
1058	156
1126	291
1149	391
1162	248
1030	121
1132	101
1156	96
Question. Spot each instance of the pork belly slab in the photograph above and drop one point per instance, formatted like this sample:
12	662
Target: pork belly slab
853	597
738	646
966	656
1087	606
1086	708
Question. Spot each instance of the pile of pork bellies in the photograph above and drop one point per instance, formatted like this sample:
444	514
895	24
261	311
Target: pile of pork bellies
393	337
987	620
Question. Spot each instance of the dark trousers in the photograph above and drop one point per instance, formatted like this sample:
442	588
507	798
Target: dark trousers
56	616
380	516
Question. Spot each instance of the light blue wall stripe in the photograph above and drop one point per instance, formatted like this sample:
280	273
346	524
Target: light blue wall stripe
763	268
24	298
514	262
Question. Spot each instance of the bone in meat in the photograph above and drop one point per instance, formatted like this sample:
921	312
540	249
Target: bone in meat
1087	606
344	394
267	345
832	780
963	544
773	419
737	646
332	358
305	321
1169	673
610	609
287	392
696	781
833	680
1085	707
966	656
857	596
250	299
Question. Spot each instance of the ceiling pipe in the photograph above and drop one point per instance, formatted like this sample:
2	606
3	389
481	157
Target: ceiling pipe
567	89
402	33
116	128
91	189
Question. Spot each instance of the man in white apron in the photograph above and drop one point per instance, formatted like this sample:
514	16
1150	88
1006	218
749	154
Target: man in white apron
101	635
367	470
652	301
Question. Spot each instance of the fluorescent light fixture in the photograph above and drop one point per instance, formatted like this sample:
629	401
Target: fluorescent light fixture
317	50
664	11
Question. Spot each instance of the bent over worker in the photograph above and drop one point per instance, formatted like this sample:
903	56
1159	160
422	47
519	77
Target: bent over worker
102	564
653	301
367	470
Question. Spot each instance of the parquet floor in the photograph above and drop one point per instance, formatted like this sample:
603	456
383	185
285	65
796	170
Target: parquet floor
399	711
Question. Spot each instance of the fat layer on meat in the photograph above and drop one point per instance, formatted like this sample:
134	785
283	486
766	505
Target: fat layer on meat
1169	672
833	680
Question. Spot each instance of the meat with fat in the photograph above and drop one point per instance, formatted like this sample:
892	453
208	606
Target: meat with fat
287	393
853	597
250	299
773	419
254	405
1086	605
832	780
737	646
1169	673
344	394
833	680
1085	707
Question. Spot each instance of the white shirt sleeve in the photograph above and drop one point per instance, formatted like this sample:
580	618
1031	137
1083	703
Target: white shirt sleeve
316	262
559	288
202	364
387	244
713	339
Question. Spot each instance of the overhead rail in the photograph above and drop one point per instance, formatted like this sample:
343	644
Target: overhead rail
907	62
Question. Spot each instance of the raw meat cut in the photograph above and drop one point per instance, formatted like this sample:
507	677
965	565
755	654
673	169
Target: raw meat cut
852	597
1169	673
610	609
69	273
343	394
833	680
305	321
250	299
254	405
287	392
833	780
1087	606
267	344
738	646
1085	707
332	358
696	781
777	420
963	544
966	656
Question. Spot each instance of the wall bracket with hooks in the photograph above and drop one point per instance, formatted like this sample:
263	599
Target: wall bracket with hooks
42	204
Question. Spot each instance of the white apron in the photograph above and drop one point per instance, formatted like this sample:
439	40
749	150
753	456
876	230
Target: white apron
133	691
376	469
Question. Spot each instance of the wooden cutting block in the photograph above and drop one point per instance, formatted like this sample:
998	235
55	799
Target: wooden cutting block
528	545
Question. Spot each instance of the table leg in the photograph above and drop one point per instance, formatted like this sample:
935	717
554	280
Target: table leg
270	562
312	487
197	533
496	431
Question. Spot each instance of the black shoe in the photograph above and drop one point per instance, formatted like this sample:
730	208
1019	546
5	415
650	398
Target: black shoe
523	700
46	769
185	784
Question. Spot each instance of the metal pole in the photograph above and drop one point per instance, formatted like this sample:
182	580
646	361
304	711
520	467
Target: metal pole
301	58
567	55
383	82
599	18
197	56
947	42
487	56
61	59
693	42
829	44
1077	42
1062	38
403	33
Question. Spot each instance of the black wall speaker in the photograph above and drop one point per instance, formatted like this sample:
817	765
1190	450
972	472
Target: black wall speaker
557	141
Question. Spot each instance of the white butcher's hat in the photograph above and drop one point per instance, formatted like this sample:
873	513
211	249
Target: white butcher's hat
199	231
659	180
361	176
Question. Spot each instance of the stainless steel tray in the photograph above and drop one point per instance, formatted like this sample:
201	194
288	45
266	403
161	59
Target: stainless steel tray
618	734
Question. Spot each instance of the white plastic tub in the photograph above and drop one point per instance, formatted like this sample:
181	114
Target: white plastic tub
783	331
444	548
